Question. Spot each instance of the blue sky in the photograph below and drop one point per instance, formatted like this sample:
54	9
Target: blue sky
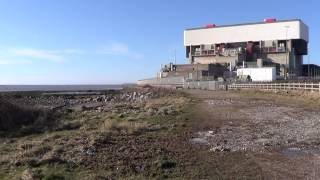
118	41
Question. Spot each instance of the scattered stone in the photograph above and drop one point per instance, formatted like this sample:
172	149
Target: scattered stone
219	149
27	175
150	112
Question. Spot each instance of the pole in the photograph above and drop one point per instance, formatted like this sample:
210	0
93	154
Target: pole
197	72
288	71
175	57
308	65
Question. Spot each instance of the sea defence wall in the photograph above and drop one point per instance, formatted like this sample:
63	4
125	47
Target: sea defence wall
181	82
173	82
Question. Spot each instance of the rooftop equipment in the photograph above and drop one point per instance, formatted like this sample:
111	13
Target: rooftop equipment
270	20
210	26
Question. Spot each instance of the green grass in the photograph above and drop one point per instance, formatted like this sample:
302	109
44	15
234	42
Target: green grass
96	126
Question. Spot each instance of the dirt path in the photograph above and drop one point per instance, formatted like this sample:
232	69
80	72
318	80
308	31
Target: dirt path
250	136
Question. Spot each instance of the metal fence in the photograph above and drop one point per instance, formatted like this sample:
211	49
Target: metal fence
205	85
314	87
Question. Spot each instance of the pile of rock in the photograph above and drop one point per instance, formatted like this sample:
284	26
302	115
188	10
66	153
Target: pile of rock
136	96
133	96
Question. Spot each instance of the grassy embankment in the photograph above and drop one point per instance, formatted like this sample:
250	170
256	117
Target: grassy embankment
132	140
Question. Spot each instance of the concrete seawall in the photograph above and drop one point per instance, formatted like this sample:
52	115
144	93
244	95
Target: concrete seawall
180	82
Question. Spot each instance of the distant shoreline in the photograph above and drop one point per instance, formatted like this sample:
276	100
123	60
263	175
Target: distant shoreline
58	88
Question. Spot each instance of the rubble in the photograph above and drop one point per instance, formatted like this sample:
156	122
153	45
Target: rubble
83	102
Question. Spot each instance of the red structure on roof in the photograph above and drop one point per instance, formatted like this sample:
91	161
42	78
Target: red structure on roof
269	20
210	26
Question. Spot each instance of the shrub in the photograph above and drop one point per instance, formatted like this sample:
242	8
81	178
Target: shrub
21	120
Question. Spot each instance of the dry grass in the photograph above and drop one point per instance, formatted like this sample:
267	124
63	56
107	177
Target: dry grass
126	126
178	102
23	120
306	99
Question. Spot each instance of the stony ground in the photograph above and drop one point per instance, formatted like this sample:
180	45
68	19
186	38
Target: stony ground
277	134
150	133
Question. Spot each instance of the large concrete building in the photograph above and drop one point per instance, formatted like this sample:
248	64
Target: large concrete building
281	44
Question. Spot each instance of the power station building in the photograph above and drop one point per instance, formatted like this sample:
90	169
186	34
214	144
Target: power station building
270	43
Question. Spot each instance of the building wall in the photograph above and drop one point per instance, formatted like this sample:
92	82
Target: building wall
244	33
304	31
196	71
278	58
214	59
295	61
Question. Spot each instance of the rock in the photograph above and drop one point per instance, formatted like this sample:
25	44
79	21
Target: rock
27	175
139	168
150	112
99	99
49	158
141	97
219	149
107	99
163	111
100	109
91	151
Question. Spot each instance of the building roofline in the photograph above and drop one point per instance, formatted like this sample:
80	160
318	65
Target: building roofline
244	24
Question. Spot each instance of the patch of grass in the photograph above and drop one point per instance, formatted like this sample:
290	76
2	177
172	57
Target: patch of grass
308	99
126	126
37	151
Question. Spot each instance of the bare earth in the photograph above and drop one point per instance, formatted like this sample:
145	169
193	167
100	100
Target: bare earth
148	133
278	136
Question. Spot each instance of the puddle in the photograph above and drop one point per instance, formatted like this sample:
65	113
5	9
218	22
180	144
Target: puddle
201	141
219	102
295	152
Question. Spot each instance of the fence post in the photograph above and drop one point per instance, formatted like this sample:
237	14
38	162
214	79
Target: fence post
305	86
319	87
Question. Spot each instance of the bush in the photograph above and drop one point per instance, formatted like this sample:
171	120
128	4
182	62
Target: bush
23	120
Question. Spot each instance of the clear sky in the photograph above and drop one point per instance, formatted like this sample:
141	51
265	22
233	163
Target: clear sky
118	41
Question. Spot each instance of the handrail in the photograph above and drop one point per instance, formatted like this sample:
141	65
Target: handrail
277	86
